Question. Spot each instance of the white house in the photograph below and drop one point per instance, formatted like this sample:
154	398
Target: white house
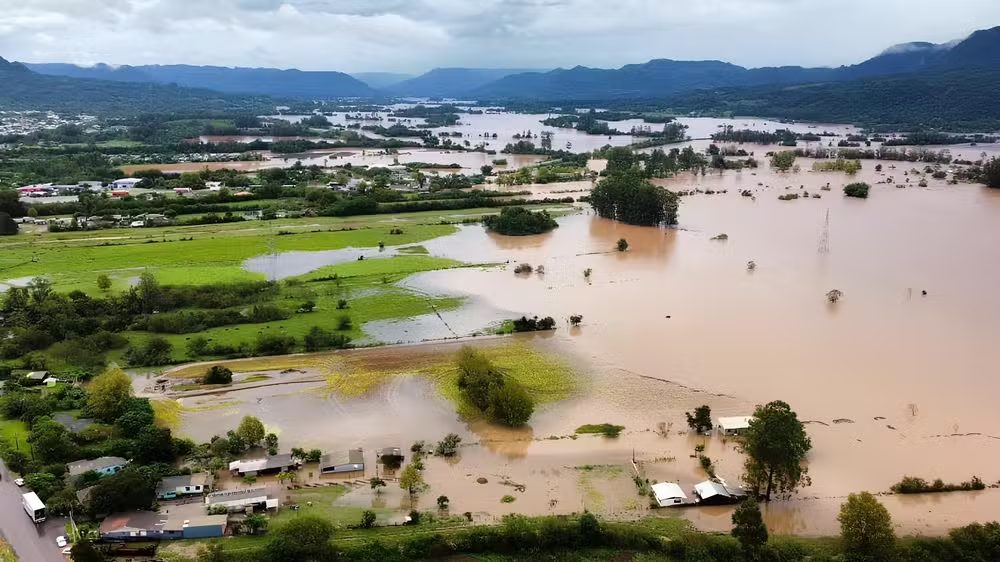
124	183
734	425
668	494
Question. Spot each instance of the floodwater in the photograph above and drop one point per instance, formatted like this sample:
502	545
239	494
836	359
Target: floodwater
891	381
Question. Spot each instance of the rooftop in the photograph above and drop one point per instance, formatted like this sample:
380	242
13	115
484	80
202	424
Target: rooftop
174	482
734	422
179	523
716	487
79	467
337	458
267	463
132	520
667	492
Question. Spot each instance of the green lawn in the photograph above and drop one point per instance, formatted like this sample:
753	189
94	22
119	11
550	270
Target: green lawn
15	432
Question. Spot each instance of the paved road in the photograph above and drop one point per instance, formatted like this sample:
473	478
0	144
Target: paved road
31	542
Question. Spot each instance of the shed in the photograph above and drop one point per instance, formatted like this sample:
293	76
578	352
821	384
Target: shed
717	492
352	460
668	494
267	465
734	425
39	376
201	527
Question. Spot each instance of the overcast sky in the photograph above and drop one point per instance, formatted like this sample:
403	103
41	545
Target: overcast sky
415	35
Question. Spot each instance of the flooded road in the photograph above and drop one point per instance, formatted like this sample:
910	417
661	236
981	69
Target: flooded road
891	381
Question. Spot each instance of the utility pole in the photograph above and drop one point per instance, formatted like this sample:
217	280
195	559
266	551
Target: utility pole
824	240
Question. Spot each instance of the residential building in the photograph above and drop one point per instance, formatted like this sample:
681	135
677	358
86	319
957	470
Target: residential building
734	425
103	466
668	494
268	465
184	485
352	460
240	500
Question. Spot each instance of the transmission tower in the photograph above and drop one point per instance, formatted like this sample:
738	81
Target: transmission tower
824	239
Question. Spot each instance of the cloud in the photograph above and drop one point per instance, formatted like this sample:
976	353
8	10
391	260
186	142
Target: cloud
414	35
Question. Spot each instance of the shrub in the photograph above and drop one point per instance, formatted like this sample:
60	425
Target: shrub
524	268
318	339
518	221
915	485
156	351
344	322
367	519
622	244
605	429
508	499
448	446
274	344
857	189
218	374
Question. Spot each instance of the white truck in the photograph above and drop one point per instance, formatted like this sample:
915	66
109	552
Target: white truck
33	506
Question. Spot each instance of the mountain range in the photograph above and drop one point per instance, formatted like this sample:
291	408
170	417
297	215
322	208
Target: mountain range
684	84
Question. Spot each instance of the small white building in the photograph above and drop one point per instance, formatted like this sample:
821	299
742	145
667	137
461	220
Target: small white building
124	183
668	494
733	425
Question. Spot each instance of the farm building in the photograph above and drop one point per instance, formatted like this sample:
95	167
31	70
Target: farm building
268	465
183	485
735	425
668	494
352	460
717	492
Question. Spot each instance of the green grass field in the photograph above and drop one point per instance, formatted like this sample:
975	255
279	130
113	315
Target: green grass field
15	434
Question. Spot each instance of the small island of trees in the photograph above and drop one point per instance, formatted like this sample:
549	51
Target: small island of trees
625	195
518	221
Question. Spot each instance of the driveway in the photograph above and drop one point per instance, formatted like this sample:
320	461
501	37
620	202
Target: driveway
31	542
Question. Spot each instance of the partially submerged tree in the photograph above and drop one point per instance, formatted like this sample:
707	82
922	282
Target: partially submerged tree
701	421
866	528
775	445
783	161
251	431
834	295
411	480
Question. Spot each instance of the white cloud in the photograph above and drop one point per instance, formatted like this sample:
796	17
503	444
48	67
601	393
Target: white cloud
414	35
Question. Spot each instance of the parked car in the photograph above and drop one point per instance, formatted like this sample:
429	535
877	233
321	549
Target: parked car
19	481
61	541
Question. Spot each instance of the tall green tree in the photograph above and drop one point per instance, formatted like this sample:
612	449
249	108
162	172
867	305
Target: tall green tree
749	528
411	479
627	197
775	445
108	395
866	528
251	430
783	160
50	441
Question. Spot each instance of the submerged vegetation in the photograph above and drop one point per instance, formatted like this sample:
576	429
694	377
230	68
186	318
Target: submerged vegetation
625	195
518	221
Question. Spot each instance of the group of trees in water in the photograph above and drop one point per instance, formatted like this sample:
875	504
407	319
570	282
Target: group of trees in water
518	221
500	398
627	196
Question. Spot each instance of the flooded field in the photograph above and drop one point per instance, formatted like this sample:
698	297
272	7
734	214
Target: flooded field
892	381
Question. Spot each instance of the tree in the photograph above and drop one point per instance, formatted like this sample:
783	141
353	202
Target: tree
775	445
132	488
991	172
7	225
306	537
251	431
367	519
510	404
217	374
783	161
701	421
255	523
43	483
443	502
376	484
749	528
137	415
49	440
486	169
411	480
866	528
857	189
590	528
103	282
622	244
84	551
627	197
271	441
108	394
155	351
834	295
518	221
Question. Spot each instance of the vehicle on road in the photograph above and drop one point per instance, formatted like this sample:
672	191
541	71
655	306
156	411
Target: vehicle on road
19	481
34	507
61	541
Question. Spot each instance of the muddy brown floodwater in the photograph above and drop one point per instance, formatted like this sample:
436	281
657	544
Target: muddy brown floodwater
891	381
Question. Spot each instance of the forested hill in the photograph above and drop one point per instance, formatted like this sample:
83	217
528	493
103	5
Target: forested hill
951	100
665	77
21	88
275	82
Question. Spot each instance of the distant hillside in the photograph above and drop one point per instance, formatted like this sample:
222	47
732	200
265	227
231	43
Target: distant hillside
264	81
666	77
381	79
450	82
963	99
21	88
